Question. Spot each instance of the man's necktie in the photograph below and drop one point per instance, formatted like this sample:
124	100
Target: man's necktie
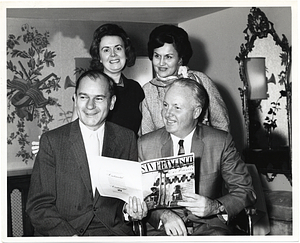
93	150
181	148
95	144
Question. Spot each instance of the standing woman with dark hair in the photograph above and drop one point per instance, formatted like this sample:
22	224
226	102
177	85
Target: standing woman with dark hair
170	50
111	51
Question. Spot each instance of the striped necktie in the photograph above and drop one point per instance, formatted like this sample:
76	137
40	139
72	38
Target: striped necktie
181	148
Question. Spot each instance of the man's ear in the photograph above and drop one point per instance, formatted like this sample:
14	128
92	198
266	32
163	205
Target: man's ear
74	98
197	112
112	102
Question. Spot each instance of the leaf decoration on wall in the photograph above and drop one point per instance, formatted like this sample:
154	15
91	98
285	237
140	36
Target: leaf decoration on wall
28	58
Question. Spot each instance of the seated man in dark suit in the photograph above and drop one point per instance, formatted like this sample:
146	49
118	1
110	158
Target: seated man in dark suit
207	211
63	200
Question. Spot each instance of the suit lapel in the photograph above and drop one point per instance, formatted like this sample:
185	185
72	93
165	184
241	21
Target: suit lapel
197	143
167	145
109	144
108	149
78	149
197	149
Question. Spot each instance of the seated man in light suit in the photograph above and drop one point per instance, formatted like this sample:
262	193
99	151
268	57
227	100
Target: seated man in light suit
207	211
63	200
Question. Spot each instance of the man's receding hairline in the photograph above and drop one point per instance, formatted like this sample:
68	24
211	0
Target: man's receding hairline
91	77
184	85
99	77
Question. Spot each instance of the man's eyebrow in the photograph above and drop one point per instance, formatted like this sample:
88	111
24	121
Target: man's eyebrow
101	95
98	95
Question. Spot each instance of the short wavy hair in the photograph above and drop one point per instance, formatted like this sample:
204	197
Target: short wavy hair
110	30
171	34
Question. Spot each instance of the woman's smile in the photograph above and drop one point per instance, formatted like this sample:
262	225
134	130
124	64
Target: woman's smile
114	61
162	69
112	54
166	60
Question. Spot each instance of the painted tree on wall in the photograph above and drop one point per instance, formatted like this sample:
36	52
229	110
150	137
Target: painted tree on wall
28	92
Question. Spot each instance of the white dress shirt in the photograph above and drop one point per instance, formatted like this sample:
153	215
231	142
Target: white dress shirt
89	145
187	144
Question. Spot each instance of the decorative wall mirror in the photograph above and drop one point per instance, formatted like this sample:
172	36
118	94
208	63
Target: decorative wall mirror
266	99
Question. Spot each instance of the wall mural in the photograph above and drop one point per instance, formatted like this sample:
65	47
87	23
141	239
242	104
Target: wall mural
28	89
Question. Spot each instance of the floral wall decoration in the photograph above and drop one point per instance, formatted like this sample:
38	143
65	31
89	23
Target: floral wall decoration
28	88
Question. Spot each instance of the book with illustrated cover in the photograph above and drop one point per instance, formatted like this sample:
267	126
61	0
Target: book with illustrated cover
166	179
159	182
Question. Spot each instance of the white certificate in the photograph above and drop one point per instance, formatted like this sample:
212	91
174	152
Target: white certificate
117	178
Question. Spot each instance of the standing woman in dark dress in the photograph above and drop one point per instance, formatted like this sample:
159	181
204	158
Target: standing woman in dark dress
111	51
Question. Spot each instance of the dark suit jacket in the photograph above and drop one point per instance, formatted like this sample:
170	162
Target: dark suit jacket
60	200
216	161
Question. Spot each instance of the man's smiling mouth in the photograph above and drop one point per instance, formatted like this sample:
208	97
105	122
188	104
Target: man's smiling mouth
90	114
170	122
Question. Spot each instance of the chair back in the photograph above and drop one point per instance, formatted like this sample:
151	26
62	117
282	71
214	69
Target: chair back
260	220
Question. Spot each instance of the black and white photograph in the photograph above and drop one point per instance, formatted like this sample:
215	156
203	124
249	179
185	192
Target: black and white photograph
135	82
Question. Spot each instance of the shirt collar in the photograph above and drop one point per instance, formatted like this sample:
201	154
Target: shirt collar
188	137
187	142
88	131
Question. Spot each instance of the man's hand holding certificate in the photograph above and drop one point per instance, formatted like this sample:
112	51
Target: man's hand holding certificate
136	209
